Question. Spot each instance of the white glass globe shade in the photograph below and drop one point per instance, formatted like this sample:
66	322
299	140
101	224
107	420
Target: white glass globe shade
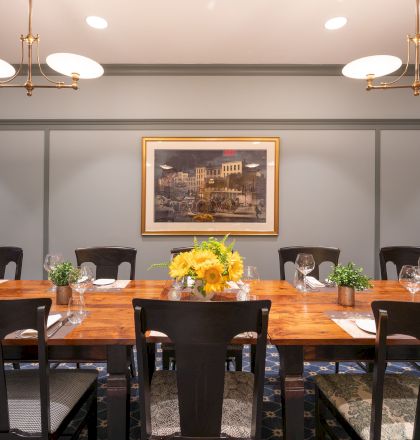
6	69
69	63
377	65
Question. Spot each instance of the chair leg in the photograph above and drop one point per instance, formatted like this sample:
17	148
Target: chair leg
253	357
238	361
92	423
319	429
132	364
165	359
337	367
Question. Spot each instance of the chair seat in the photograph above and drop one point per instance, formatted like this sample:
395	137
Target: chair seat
66	389
351	394
237	404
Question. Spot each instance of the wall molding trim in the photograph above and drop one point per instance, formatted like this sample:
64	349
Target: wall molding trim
209	124
217	70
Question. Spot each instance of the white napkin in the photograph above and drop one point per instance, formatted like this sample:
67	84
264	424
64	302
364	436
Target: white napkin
3	281
31	333
313	283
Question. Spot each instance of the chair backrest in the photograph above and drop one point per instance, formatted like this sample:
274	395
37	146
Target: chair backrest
320	254
200	344
107	259
18	315
11	254
391	317
399	255
177	250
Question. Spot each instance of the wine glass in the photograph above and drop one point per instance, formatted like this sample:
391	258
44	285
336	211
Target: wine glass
409	278
305	264
51	260
250	274
81	278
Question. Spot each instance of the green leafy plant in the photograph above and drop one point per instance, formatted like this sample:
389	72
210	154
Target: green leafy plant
350	276
61	273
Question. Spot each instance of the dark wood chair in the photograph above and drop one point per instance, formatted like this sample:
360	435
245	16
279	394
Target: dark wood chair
40	403
234	353
107	259
200	399
392	407
399	255
11	254
320	254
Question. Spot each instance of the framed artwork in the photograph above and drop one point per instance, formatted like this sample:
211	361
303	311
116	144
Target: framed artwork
210	186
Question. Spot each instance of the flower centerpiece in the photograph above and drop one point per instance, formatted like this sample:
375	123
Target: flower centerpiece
210	265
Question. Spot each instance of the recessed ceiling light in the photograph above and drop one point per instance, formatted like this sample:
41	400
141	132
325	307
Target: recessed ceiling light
335	23
96	22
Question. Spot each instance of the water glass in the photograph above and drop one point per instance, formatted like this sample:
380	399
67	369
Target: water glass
409	278
305	264
76	309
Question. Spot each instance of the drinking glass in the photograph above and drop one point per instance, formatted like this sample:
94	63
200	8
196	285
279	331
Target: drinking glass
76	309
305	264
81	278
250	274
51	260
248	277
409	278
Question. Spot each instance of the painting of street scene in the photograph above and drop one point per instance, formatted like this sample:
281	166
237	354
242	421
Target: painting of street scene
213	185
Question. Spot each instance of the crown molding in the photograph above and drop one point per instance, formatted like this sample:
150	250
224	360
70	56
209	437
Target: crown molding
212	70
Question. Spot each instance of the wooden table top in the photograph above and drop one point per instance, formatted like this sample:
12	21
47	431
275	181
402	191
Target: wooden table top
295	318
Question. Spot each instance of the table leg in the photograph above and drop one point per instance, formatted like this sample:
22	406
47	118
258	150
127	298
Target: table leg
118	392
292	391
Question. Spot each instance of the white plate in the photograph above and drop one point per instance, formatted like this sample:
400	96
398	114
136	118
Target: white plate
367	325
103	281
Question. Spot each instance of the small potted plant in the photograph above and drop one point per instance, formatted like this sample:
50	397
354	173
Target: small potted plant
349	279
59	276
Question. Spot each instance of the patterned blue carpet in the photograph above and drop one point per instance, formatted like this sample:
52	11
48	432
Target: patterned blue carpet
272	420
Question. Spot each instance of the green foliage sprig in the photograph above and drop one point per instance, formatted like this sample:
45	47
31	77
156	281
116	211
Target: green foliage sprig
350	276
61	273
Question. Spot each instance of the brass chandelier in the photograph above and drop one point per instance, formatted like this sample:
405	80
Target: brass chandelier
74	66
371	67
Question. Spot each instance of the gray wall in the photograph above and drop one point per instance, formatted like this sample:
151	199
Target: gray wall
342	182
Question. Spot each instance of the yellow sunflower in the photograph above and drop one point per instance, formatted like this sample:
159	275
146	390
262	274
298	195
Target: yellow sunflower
180	265
236	267
211	274
202	258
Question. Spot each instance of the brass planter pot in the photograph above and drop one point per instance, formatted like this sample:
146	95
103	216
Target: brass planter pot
63	294
346	296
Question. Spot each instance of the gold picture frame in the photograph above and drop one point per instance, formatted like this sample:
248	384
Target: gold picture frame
210	186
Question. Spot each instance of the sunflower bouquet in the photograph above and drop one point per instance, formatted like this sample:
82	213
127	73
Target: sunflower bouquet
212	263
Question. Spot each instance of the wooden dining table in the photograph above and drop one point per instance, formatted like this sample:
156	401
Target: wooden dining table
300	327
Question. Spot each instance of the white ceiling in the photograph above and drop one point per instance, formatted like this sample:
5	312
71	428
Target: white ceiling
211	31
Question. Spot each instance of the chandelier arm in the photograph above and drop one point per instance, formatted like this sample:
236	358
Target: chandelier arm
406	66
18	71
42	72
387	86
